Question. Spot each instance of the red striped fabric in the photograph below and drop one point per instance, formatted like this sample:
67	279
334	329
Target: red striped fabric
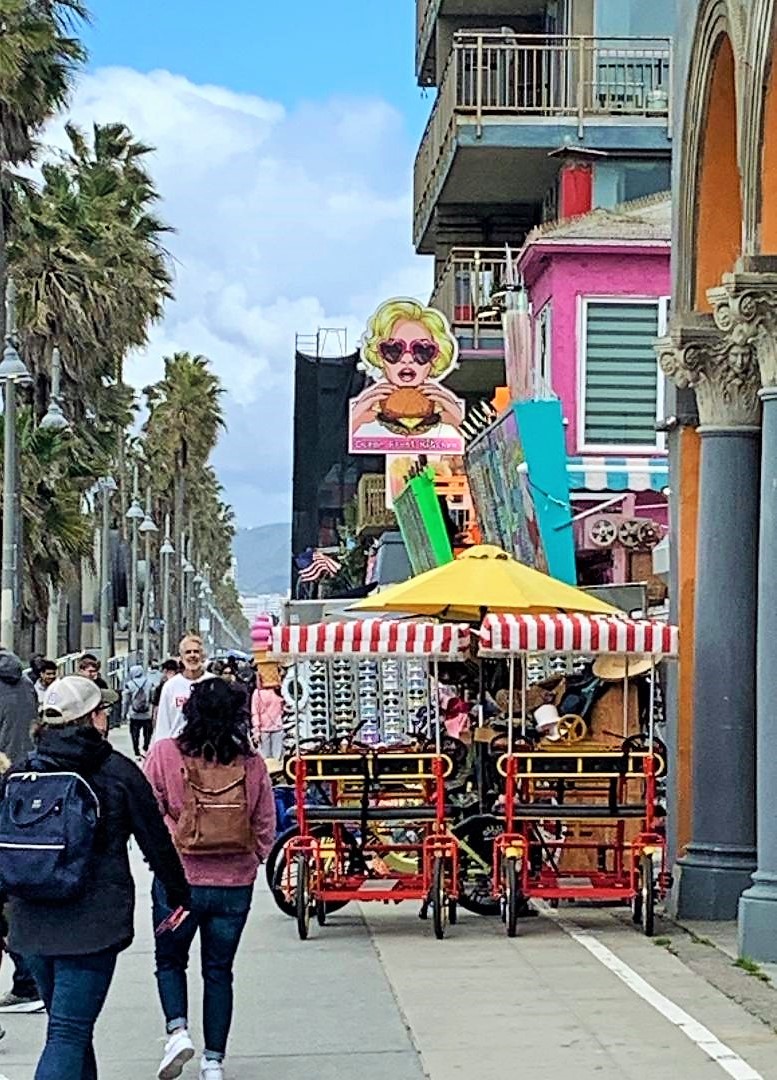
372	637
584	634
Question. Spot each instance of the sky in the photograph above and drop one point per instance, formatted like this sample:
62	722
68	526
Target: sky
285	136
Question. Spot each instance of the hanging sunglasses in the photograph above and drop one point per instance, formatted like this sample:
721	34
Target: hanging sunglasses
421	351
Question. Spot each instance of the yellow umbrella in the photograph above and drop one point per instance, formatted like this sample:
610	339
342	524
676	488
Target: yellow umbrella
483	577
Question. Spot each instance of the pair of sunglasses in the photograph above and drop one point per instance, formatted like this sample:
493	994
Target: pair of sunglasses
422	351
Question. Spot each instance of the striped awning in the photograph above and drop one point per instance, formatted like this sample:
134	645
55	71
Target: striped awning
587	635
371	637
590	473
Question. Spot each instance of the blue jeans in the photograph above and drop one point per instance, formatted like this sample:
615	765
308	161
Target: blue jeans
219	912
74	989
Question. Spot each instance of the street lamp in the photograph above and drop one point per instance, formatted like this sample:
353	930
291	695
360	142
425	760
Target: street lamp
134	515
106	486
166	551
148	528
13	373
55	419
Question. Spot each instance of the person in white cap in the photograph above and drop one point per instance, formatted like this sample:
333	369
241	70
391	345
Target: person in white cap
72	944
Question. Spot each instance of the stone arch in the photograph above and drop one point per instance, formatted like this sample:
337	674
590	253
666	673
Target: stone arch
709	178
760	132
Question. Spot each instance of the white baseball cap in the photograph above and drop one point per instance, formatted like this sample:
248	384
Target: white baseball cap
70	698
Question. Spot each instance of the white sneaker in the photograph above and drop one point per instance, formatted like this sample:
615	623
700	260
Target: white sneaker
179	1049
211	1070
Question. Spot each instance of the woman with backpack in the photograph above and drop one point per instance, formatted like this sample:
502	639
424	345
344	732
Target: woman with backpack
67	812
217	801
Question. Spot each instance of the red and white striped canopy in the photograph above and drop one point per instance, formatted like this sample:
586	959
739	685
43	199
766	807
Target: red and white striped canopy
584	634
372	637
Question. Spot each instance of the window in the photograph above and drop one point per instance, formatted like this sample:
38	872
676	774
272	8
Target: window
621	393
542	349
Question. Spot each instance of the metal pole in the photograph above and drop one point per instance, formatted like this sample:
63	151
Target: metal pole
147	598
105	579
166	593
7	639
133	626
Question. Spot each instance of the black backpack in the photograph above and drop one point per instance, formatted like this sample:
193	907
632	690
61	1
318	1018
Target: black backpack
48	822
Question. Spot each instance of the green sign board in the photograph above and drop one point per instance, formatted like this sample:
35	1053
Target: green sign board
422	525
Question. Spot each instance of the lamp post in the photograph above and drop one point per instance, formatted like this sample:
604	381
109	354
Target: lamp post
166	551
148	528
13	373
134	515
54	420
107	486
188	570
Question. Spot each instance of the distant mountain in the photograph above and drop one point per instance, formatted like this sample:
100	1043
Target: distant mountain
263	559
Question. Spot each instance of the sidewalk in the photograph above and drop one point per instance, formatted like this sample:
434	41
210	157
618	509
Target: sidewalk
373	996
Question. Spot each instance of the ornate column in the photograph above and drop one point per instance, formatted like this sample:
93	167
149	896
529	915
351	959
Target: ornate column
721	856
746	310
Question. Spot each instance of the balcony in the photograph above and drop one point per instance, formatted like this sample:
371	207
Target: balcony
426	12
468	279
372	515
535	93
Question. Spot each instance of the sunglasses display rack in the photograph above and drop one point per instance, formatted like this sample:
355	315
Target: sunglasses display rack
540	668
385	698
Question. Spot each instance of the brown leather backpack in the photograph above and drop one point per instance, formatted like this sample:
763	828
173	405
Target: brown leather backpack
216	819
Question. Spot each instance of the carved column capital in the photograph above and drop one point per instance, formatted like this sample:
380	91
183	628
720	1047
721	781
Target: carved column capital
745	310
722	372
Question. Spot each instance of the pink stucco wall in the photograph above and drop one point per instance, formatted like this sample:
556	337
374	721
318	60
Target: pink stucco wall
563	275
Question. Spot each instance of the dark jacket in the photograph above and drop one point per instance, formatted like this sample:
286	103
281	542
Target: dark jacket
18	708
103	917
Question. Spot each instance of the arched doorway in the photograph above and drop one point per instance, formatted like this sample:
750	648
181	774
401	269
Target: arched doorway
769	167
719	207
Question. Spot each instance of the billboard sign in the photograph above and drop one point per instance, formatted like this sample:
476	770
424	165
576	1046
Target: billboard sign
407	351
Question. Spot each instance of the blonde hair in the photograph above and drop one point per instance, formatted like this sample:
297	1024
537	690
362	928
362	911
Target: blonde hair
382	323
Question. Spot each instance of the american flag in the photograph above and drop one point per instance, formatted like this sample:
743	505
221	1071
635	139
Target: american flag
320	565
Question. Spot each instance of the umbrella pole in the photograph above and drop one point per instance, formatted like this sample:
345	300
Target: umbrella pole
479	746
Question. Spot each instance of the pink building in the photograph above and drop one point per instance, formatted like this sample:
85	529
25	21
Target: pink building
599	289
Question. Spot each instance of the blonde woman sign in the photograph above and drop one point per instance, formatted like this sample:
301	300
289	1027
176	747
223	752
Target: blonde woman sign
407	350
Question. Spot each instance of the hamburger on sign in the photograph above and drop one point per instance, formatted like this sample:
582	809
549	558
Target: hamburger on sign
407	351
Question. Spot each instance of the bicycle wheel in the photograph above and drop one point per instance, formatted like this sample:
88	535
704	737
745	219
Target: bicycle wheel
278	881
302	901
475	836
439	898
648	891
512	897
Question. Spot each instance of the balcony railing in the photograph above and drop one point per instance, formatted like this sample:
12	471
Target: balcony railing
372	515
494	76
468	279
426	14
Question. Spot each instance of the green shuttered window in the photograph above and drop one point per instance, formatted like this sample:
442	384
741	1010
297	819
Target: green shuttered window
621	373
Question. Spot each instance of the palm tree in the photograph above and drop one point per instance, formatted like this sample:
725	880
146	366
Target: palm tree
184	422
89	261
39	55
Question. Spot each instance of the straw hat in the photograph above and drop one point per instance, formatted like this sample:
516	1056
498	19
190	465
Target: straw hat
614	668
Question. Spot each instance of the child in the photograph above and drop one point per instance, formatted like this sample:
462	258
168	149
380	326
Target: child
267	719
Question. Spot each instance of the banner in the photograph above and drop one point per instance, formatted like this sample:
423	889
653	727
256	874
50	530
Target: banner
407	350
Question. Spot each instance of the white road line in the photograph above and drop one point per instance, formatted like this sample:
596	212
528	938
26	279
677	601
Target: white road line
721	1054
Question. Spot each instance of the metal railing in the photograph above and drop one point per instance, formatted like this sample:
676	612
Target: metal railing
466	283
372	515
496	75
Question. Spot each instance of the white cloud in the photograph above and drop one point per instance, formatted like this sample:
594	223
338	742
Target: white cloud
287	221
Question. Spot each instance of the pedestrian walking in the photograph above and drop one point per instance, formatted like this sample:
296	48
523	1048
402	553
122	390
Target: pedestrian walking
176	691
168	669
137	709
71	913
89	668
217	801
267	719
18	713
47	673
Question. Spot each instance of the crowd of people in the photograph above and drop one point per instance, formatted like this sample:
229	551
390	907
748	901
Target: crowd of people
199	803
